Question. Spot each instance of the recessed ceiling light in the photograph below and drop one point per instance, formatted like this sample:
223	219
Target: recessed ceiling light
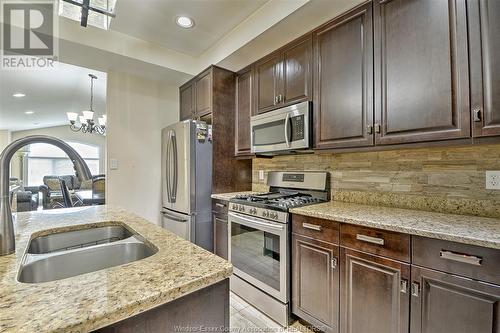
184	22
19	95
29	112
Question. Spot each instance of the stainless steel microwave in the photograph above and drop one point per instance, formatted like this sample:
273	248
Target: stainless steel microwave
281	130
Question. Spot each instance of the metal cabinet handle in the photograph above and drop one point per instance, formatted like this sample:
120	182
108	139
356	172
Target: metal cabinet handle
219	205
369	129
370	239
476	115
334	263
377	128
415	289
276	99
311	226
464	258
403	286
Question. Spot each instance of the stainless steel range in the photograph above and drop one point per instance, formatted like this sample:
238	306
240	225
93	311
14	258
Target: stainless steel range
259	236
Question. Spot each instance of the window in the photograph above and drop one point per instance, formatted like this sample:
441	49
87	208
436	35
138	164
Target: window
46	160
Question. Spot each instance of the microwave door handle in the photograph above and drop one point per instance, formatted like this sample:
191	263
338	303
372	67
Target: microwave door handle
287	136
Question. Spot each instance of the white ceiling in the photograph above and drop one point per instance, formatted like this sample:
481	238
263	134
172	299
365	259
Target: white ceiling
50	94
154	21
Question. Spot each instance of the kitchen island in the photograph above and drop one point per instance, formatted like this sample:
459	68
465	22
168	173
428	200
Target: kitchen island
154	290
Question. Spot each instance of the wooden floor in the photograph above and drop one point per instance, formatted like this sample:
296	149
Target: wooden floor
245	318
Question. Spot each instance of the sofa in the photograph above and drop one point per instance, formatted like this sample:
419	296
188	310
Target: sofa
51	188
26	196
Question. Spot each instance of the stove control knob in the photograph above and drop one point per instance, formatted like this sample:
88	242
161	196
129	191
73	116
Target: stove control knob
242	208
265	213
235	206
274	215
253	211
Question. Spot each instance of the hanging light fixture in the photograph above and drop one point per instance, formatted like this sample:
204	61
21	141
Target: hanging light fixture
87	124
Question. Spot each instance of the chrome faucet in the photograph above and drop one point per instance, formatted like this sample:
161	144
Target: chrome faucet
7	237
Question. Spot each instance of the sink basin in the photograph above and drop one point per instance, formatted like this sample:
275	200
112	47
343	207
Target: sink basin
78	239
63	255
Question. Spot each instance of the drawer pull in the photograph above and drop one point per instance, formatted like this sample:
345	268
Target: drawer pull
220	205
370	239
311	226
465	258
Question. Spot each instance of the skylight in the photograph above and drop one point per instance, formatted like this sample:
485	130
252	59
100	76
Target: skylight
97	13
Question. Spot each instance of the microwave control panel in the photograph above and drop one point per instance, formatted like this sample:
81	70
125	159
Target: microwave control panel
297	128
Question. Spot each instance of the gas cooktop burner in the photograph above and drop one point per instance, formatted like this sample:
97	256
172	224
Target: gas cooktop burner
277	200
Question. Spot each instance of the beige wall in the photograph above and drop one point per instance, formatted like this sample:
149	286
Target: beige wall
66	134
5	138
137	111
438	179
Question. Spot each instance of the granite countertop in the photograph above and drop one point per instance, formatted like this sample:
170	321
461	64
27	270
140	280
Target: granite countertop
481	231
94	300
230	195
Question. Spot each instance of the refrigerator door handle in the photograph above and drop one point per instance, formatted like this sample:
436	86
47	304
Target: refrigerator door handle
167	171
176	171
172	217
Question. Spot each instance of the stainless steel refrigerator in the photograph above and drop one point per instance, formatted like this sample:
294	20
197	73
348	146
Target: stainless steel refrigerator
187	181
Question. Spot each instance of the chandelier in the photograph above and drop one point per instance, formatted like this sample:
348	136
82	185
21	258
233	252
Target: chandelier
87	124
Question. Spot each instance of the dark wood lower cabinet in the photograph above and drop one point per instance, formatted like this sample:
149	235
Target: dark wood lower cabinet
445	303
315	290
374	294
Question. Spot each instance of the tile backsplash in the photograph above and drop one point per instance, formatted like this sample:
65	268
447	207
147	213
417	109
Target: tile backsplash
450	180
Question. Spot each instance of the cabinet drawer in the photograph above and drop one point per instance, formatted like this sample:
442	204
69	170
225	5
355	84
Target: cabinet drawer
384	243
471	261
324	230
220	207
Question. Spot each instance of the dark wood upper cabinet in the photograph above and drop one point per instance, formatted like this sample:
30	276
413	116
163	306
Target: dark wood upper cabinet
186	102
375	295
443	302
244	110
421	71
296	81
343	86
267	80
204	94
484	48
315	276
284	77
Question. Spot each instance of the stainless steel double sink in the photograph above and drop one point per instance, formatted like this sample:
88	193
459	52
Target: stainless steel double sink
66	254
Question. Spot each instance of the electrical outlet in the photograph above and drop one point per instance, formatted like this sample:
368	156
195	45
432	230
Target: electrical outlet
261	175
493	180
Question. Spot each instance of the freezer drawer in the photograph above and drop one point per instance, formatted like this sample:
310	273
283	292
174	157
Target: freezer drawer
179	224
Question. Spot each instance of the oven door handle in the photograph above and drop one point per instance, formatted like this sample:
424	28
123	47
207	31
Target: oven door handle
287	136
257	223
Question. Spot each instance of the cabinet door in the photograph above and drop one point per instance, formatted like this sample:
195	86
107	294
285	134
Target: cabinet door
447	303
244	107
484	47
220	236
186	102
374	294
315	276
267	74
296	83
421	71
204	94
344	81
